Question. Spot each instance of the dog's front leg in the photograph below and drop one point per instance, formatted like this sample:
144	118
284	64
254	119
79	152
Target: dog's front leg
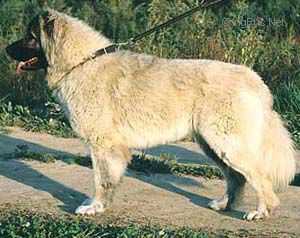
109	165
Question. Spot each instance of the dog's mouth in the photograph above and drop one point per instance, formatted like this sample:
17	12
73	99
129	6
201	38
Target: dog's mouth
29	55
30	64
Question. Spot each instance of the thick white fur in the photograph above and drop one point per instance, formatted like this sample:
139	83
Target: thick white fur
129	100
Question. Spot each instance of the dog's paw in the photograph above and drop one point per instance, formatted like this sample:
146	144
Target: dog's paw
90	207
256	215
218	204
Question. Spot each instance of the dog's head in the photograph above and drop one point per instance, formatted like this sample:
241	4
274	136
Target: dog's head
56	42
29	50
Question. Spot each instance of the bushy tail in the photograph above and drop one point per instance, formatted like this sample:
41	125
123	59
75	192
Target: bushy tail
279	154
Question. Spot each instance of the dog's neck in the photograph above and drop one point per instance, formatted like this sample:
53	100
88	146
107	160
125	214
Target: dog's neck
70	46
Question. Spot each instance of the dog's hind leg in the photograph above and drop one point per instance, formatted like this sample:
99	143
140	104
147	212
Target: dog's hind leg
109	164
235	181
267	199
240	142
242	167
235	186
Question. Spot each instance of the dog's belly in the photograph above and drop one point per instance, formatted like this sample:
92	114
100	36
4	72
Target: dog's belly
152	134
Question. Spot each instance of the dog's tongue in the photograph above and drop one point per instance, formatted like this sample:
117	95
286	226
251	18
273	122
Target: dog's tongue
19	69
26	63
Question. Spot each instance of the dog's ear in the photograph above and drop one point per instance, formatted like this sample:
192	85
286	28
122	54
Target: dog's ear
48	19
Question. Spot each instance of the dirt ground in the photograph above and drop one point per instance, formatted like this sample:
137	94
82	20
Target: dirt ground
157	199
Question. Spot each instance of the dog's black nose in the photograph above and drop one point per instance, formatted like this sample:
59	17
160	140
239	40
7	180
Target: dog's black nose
9	50
14	50
19	51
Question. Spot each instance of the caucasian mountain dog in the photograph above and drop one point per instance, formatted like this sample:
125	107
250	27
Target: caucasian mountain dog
121	100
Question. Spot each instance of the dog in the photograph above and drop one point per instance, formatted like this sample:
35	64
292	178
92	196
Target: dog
122	100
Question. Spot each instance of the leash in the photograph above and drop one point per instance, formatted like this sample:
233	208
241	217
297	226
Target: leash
114	47
203	4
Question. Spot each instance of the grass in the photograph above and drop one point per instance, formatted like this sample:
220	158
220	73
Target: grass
165	164
271	48
45	120
287	103
22	151
27	224
21	224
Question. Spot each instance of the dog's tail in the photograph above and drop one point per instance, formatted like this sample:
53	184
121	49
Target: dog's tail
278	153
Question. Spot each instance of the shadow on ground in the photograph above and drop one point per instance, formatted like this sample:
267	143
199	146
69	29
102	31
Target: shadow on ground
170	184
296	181
68	196
183	155
72	198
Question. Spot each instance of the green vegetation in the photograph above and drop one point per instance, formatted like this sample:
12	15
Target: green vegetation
165	164
23	152
49	119
265	35
26	224
23	223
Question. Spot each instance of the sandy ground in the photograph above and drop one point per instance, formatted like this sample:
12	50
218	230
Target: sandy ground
157	199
